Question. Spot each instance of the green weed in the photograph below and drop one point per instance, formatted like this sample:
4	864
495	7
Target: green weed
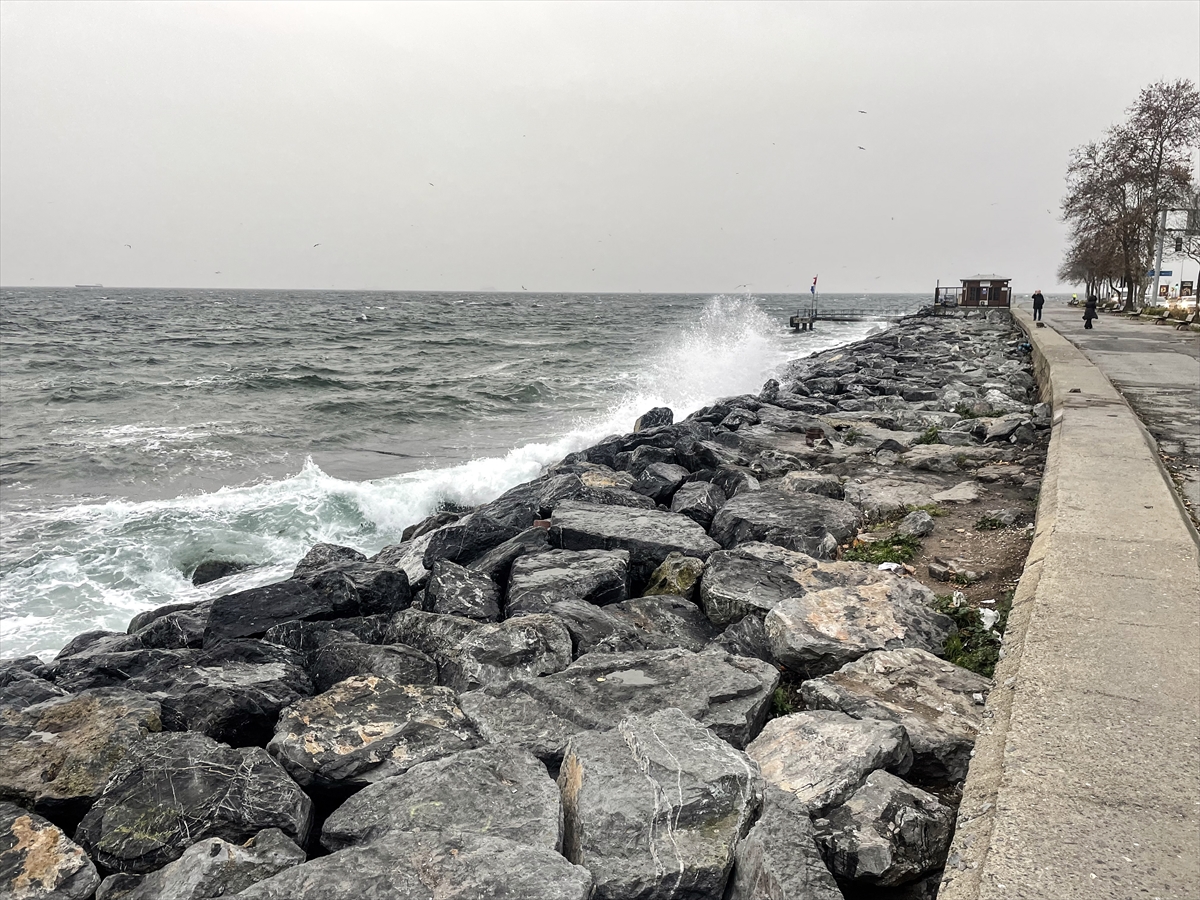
930	435
899	548
988	523
974	647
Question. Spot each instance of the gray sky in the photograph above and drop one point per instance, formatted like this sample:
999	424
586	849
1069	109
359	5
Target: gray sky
570	146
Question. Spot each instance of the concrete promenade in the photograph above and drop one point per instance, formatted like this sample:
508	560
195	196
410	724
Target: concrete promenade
1086	779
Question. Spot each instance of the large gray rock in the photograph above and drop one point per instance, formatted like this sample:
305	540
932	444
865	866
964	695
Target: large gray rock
917	523
752	578
25	681
699	501
539	580
251	612
779	858
822	757
408	557
431	633
887	833
180	625
808	523
660	480
819	632
655	807
457	591
496	791
884	498
57	755
367	728
648	535
812	483
469	538
342	657
380	588
729	694
39	862
678	575
497	562
425	865
208	869
939	704
518	648
666	621
182	788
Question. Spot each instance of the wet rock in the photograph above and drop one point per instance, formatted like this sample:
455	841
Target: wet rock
655	418
250	613
522	647
779	858
232	693
812	483
408	557
655	807
304	637
1003	428
660	480
497	563
881	499
678	575
939	704
745	637
823	757
649	536
469	538
808	523
1000	402
821	631
674	620
639	460
210	868
430	524
963	492
729	694
39	862
57	755
917	523
752	578
181	627
323	556
342	657
699	501
181	788
540	580
367	728
510	795
425	865
457	591
24	682
215	569
887	833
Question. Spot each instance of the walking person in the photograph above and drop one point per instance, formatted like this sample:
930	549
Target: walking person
1038	302
1089	311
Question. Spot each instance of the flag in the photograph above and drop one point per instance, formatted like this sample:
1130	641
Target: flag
813	289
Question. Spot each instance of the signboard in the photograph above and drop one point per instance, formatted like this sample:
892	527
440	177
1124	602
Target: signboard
1164	273
1162	290
1185	289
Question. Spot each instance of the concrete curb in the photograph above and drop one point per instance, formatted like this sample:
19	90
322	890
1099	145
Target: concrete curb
1086	777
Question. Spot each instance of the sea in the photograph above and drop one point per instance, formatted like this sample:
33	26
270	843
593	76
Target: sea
145	431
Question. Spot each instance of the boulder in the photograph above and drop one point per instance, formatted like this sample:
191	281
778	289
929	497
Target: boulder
57	755
887	833
655	807
678	575
469	538
729	694
323	556
819	632
917	523
39	862
232	693
343	657
963	492
822	757
939	704
699	501
881	499
433	634
752	578
408	557
304	637
808	523
648	536
497	562
215	569
745	637
429	523
509	794
210	868
779	858
654	418
539	580
812	483
458	591
250	613
660	480
367	728
674	620
426	865
522	647
181	788
25	681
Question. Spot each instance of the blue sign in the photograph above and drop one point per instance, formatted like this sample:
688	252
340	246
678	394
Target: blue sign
1165	273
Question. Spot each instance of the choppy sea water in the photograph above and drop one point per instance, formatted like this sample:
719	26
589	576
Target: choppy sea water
143	431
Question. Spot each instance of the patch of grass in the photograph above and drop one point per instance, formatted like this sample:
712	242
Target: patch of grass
850	438
988	523
930	435
962	460
974	647
781	703
899	548
932	508
968	412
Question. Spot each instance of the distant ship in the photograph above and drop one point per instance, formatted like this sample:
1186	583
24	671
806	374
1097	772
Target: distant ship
89	285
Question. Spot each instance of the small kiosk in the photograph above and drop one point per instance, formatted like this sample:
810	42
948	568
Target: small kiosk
978	290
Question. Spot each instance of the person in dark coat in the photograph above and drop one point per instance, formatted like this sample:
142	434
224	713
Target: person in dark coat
1038	302
1089	311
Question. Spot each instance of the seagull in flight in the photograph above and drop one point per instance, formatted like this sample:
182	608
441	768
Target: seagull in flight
862	148
524	288
317	244
130	246
863	111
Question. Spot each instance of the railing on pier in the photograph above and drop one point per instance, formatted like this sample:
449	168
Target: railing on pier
806	317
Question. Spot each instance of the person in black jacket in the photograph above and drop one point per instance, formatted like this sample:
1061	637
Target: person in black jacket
1038	302
1089	311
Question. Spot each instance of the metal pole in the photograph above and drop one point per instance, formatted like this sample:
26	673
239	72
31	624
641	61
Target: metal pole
1162	231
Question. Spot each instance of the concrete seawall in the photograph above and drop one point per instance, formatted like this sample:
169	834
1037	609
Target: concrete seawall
1086	779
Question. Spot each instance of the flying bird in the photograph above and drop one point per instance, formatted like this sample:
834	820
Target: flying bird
863	111
317	244
130	246
431	184
524	288
862	148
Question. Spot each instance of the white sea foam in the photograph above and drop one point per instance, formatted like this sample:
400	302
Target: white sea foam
98	564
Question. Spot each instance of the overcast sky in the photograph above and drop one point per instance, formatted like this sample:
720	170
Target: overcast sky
557	146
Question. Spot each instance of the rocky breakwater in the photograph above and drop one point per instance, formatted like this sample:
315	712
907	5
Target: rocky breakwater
650	672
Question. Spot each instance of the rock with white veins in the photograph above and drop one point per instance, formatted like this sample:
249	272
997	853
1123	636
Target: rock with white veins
822	757
819	632
655	807
939	704
39	862
751	578
808	523
539	580
887	833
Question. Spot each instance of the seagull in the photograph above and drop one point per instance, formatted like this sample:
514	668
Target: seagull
862	148
863	111
317	244
524	288
431	184
130	246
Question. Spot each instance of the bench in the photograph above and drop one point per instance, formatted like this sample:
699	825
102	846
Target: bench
1186	323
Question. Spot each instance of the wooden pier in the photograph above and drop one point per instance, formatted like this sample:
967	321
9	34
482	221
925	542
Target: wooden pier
806	319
